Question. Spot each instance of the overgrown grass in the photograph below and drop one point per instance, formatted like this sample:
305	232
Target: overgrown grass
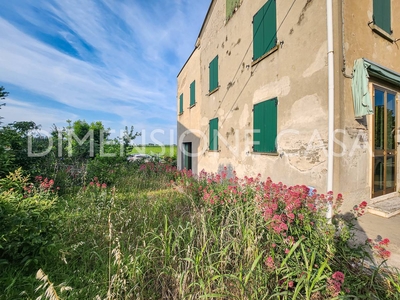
157	233
168	150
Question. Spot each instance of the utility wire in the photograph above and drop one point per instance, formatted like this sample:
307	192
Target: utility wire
234	76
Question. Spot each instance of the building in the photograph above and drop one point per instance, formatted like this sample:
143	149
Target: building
304	92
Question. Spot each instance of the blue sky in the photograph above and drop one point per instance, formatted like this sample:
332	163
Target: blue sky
110	60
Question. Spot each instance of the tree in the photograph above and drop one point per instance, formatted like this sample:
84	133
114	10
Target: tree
127	137
3	95
14	147
81	139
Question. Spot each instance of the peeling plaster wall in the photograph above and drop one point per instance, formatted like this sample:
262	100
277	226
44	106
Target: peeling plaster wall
359	41
296	74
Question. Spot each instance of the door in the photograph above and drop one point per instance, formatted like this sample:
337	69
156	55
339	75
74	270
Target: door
384	139
187	156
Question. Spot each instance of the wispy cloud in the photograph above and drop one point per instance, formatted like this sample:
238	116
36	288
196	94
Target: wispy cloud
115	57
20	110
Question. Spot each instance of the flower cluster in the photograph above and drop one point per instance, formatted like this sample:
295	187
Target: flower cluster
44	184
41	185
379	247
269	262
359	210
334	284
95	184
151	167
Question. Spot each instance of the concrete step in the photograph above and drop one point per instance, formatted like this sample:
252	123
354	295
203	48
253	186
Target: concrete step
386	208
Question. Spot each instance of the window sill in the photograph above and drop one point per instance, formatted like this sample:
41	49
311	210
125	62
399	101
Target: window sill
274	49
213	91
266	153
213	150
191	106
180	114
382	33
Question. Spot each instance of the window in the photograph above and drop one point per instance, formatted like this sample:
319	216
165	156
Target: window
265	126
213	74
193	93
382	15
181	104
213	135
231	5
264	29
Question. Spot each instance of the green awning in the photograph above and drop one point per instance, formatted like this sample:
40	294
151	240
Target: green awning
363	69
383	73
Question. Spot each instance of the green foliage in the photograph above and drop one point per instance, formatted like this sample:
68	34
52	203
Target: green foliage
27	225
15	139
107	169
159	233
80	141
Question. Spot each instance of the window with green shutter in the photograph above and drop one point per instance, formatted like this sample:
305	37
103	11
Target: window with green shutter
265	125
193	93
181	104
382	15
213	70
213	135
231	5
264	29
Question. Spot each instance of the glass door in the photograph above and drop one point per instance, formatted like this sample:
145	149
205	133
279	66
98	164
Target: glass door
384	139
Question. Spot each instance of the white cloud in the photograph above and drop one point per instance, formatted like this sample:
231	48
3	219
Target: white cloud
19	111
135	52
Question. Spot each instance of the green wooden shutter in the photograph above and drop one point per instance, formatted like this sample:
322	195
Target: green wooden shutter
230	7
270	25
265	126
382	15
193	93
213	135
264	29
258	34
213	74
216	72
181	103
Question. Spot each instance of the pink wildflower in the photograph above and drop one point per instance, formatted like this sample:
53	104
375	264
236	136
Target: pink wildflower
384	242
269	262
338	276
335	283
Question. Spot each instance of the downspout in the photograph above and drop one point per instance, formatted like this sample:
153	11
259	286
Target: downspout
331	102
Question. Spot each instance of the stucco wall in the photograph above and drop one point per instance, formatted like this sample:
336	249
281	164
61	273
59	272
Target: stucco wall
296	73
359	41
188	123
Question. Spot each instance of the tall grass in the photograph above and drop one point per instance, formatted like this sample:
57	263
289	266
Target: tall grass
159	233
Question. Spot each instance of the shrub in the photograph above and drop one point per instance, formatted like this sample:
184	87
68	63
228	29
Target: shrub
107	169
27	215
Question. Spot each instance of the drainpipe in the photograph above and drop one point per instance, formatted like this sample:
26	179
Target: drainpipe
331	101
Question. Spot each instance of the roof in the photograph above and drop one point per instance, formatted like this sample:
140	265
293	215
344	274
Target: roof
198	37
